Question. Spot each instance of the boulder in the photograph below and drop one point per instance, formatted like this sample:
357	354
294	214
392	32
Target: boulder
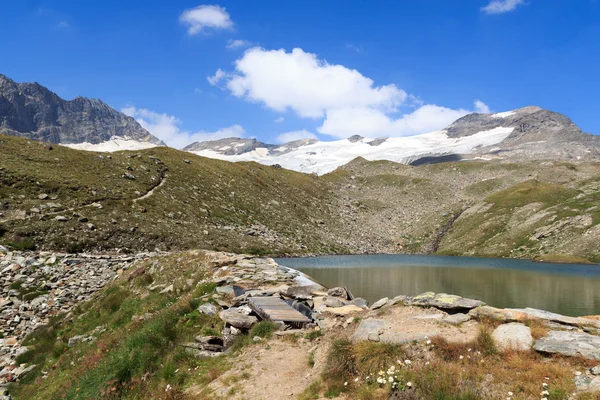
444	301
208	309
343	311
553	317
75	339
567	343
497	314
360	302
335	302
338	292
238	319
455	319
380	303
514	336
369	329
301	292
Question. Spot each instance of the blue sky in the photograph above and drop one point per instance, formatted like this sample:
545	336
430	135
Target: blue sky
279	70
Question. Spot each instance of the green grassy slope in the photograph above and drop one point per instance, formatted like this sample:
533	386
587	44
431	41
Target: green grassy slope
533	209
202	203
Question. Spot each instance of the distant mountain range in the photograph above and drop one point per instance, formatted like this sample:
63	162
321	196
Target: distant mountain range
523	134
32	111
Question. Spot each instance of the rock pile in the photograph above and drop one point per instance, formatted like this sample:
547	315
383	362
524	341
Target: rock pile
37	286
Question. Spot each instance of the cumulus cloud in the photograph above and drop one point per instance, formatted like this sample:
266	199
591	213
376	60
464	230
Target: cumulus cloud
302	82
205	17
481	107
237	44
166	127
348	102
295	135
501	6
369	122
279	120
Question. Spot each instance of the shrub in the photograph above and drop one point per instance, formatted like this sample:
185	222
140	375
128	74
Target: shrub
341	360
312	335
263	329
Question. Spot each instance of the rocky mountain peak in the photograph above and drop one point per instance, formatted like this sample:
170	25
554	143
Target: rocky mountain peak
33	111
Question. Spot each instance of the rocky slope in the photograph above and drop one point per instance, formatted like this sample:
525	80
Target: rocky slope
32	111
186	326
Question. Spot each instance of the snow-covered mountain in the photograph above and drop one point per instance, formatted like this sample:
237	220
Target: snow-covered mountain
529	132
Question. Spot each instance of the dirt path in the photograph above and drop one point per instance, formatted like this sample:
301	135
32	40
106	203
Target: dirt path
151	191
277	369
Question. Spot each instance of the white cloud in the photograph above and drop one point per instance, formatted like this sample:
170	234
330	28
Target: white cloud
217	77
501	6
369	122
166	128
302	82
279	120
348	102
238	43
295	135
205	17
481	107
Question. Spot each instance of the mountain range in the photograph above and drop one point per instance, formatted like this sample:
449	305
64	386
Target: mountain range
32	111
530	133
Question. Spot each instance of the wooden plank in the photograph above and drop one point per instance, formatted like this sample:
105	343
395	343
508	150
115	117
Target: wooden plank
275	309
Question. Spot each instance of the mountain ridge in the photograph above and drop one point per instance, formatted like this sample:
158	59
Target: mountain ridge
33	111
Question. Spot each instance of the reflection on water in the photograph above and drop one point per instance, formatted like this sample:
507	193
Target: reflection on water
562	288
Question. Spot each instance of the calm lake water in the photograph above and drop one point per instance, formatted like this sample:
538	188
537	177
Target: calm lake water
562	288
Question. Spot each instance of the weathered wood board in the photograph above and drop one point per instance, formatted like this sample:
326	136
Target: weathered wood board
275	309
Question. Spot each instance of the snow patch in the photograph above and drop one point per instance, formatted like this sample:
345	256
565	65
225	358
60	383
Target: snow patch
114	144
324	157
504	114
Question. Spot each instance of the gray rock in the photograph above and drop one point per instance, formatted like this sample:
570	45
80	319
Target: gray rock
301	292
61	218
573	344
338	292
335	302
595	370
380	303
237	319
456	319
444	301
225	290
168	289
369	329
208	309
75	339
587	383
360	302
514	336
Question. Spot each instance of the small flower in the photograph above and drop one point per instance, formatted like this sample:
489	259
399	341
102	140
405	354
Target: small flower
409	384
345	383
545	393
510	394
545	385
356	380
381	372
544	398
428	342
546	378
461	357
407	362
391	379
